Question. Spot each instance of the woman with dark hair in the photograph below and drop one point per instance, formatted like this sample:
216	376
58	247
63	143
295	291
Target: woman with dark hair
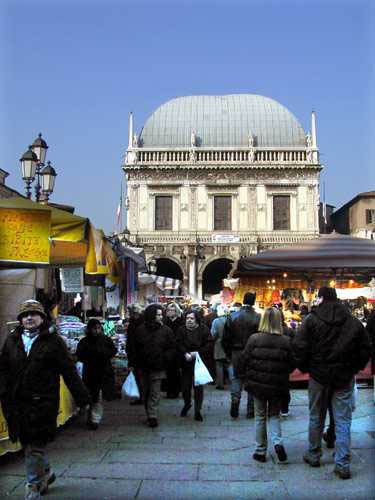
154	351
95	351
265	365
192	338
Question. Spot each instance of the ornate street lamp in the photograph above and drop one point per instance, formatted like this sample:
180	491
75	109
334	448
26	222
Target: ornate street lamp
48	176
29	161
32	163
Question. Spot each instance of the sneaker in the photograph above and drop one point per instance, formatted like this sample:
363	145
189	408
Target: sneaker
342	472
152	422
198	417
250	414
48	479
313	462
259	458
329	439
284	414
234	410
280	452
32	492
185	409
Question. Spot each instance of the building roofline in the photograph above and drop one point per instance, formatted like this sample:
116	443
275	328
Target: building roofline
366	194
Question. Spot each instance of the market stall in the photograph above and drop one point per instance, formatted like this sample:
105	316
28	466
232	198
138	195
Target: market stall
296	273
33	239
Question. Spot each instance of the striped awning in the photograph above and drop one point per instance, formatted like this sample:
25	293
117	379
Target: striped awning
163	283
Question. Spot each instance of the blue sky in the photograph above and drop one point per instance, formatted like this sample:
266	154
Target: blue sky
73	70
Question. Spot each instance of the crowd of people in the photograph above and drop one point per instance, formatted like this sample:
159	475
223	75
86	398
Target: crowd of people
254	352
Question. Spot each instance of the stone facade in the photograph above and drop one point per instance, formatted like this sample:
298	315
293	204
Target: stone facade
193	176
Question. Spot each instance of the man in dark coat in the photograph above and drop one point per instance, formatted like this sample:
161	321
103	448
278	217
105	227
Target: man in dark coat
31	362
154	351
173	319
237	329
95	351
136	319
332	346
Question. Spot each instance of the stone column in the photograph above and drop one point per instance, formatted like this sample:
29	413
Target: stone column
192	277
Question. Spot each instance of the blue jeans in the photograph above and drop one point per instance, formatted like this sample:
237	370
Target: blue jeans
236	383
36	461
342	407
261	406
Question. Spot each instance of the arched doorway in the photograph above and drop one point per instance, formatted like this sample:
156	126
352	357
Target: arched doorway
213	275
168	268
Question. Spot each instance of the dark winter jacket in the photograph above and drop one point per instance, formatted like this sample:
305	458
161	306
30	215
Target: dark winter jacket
331	345
154	347
130	340
265	365
30	385
238	328
370	327
197	340
96	352
174	325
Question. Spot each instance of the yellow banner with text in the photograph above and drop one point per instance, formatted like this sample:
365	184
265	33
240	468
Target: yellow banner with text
24	235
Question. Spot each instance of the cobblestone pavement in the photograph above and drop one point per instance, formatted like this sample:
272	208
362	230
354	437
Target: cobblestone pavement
183	458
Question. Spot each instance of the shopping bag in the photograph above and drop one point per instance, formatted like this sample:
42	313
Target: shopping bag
79	366
201	374
354	396
129	387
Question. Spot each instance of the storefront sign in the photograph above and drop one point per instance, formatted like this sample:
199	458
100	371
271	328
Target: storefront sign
24	235
225	238
71	279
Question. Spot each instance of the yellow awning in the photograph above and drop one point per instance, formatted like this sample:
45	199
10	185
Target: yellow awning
68	231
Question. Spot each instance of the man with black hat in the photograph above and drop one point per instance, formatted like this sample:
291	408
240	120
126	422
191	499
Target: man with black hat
31	362
237	329
332	346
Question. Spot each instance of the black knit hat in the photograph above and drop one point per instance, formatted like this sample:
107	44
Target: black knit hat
327	293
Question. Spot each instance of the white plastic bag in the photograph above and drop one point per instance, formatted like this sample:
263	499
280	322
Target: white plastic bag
201	374
129	387
354	396
79	366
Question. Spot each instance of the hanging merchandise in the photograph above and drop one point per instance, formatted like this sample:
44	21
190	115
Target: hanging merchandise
71	279
112	293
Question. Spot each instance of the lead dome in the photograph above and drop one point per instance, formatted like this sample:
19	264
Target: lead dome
219	121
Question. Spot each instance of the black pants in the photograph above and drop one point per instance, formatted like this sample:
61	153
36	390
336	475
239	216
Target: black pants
187	383
285	400
173	382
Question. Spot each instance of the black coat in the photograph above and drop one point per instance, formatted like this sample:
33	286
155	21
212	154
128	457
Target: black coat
130	340
30	385
238	328
154	347
199	340
96	352
370	327
331	345
265	365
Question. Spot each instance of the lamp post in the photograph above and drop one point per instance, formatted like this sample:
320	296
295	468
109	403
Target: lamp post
33	168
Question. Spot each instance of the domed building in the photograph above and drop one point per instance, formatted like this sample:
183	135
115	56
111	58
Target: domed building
213	178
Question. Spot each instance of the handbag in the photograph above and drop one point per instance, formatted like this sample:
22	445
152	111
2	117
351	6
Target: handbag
130	387
201	374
